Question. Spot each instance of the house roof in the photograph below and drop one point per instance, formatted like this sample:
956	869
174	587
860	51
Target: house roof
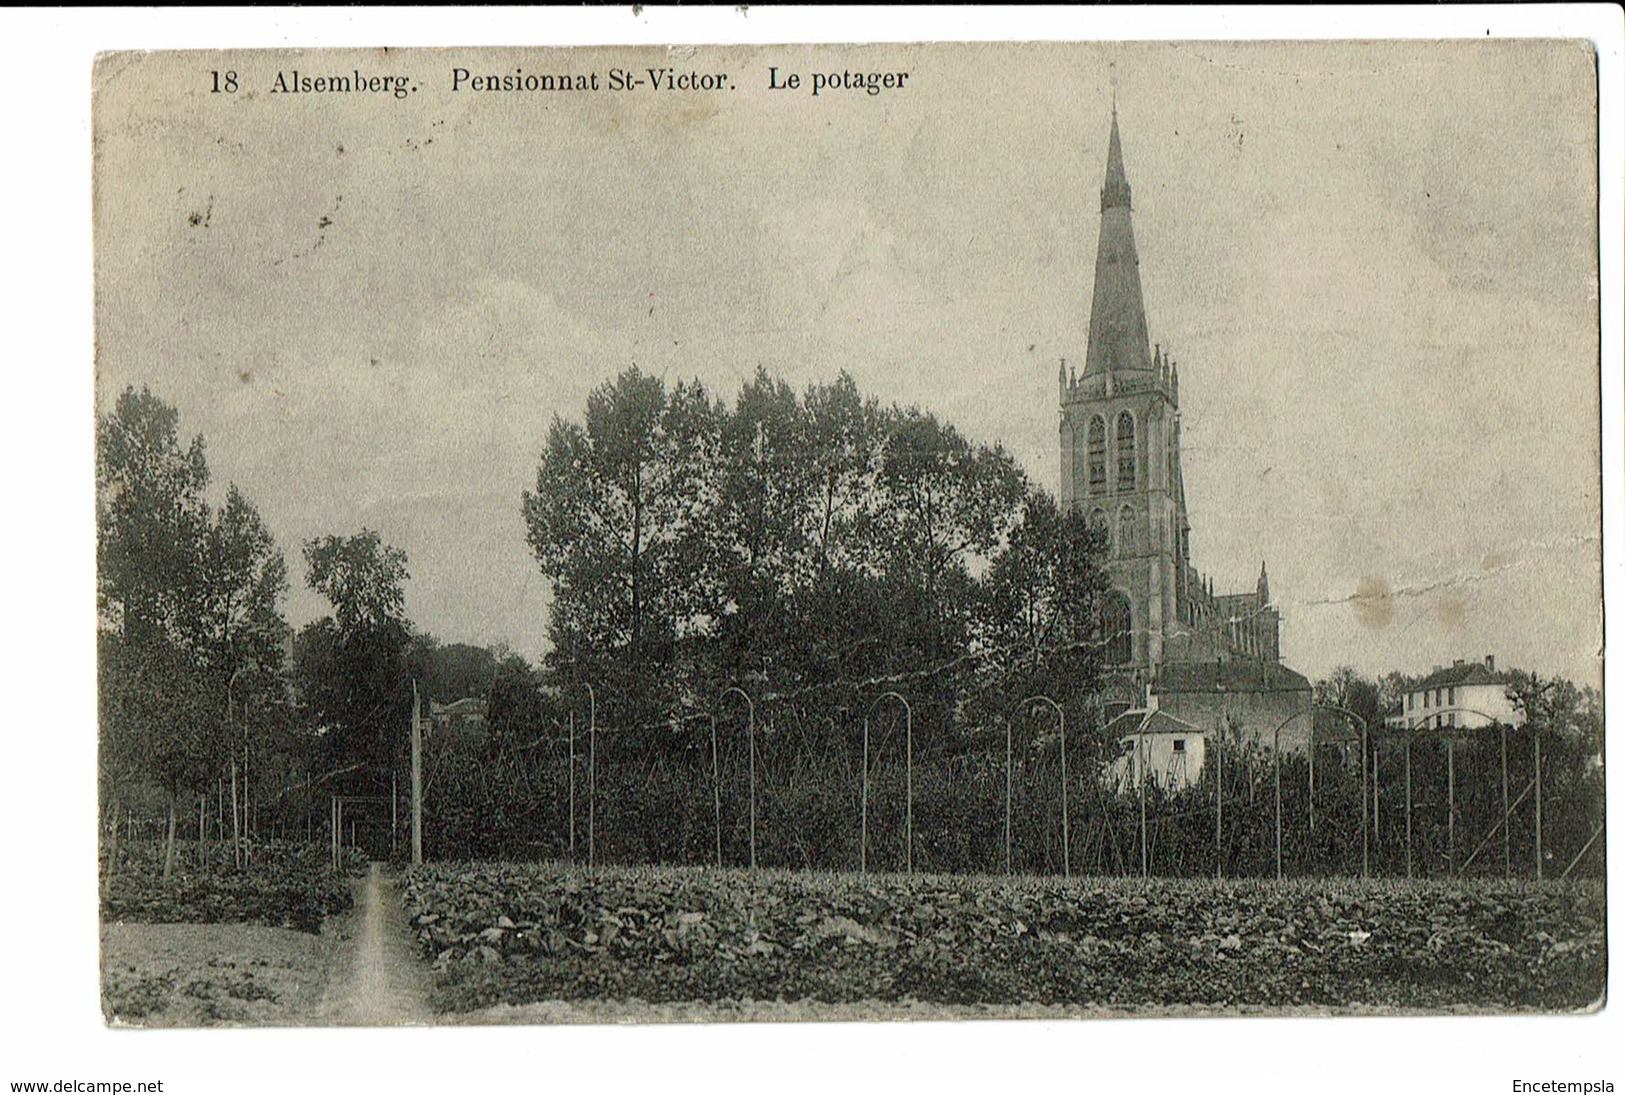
471	705
1140	720
1232	675
1463	673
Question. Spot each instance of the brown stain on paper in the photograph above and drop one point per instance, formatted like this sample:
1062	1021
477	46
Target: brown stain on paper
1373	602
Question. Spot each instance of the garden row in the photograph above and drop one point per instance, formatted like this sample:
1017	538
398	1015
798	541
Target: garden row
285	884
516	934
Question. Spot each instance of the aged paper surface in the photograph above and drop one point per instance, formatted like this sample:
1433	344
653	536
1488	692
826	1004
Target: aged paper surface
734	483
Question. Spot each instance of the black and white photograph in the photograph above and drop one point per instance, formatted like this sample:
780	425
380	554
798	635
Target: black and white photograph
848	532
1090	544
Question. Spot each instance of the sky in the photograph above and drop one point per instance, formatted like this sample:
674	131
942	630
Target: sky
1375	265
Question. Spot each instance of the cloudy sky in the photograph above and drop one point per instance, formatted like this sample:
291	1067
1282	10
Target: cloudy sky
1375	265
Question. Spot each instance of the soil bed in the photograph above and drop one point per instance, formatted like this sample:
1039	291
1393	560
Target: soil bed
187	975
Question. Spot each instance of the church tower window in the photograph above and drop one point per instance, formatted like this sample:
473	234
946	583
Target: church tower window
1125	451
1097	523
1117	628
1097	455
1128	539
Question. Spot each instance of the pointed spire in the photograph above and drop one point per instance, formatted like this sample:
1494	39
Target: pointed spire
1116	192
1118	340
1263	583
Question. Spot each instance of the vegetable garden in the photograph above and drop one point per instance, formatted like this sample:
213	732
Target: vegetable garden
509	933
283	884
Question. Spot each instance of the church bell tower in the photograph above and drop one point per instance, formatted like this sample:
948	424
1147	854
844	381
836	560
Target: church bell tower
1120	445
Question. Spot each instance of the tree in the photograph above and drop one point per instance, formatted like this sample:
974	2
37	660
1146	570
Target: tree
151	518
845	435
944	501
763	520
1043	589
188	599
1346	688
362	577
352	666
621	522
1567	721
159	713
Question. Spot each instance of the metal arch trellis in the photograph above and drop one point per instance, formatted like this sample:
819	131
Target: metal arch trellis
750	731
1370	790
1370	782
1066	829
908	784
1365	816
1505	824
592	776
1009	784
716	776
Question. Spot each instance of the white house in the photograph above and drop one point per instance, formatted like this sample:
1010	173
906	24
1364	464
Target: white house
1156	745
1466	694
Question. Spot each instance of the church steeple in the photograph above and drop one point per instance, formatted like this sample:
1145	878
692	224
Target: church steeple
1118	340
1116	191
1263	583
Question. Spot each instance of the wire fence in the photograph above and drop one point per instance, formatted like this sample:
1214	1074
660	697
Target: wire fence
870	788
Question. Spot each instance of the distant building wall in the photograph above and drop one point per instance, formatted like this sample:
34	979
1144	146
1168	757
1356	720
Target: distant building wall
1252	714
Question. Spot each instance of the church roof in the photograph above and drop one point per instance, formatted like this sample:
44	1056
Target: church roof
1118	339
1231	675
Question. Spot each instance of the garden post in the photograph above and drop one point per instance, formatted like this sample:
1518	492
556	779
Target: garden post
1139	767
750	733
1276	749
1410	871
592	778
863	804
1540	865
716	786
417	778
1066	834
1009	785
570	777
1506	810
1376	795
1450	797
1218	815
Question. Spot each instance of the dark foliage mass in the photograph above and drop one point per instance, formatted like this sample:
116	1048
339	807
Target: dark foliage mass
285	885
785	563
814	545
515	934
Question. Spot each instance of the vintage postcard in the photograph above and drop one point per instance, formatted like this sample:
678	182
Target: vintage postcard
850	531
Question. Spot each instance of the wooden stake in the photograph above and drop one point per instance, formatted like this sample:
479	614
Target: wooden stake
1410	869
1218	819
572	782
417	777
1376	797
236	818
1506	811
1540	854
1450	794
169	844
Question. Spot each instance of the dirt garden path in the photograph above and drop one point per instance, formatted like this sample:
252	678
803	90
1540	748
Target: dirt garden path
382	984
